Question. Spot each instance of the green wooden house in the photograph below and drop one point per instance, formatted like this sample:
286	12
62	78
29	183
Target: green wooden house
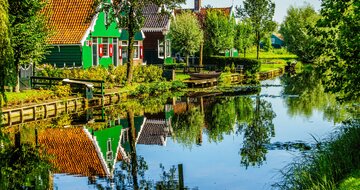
81	38
277	41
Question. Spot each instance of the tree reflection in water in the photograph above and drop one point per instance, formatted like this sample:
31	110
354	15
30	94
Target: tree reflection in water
257	126
220	118
187	127
312	97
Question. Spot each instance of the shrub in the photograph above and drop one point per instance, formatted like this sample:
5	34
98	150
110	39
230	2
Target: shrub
250	65
113	76
61	90
177	85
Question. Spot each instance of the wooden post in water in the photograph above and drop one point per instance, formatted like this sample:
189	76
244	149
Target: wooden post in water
181	176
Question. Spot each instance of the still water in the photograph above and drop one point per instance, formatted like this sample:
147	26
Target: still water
202	141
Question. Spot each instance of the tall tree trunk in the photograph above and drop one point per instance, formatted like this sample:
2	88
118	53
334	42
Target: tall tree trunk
187	60
201	54
257	45
132	139
16	88
130	63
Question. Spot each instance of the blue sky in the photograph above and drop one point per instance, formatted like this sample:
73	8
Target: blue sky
281	6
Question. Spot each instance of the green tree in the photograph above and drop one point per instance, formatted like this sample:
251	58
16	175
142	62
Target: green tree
128	15
219	32
186	34
6	53
28	33
267	42
244	38
297	32
260	14
341	47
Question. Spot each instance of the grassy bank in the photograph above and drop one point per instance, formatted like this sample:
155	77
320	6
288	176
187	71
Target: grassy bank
329	165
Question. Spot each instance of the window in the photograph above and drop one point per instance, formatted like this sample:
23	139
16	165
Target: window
94	40
109	153
124	53
136	50
168	48
161	49
108	147
272	40
105	42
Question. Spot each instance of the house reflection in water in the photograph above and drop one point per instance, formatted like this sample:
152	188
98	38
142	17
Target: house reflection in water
84	151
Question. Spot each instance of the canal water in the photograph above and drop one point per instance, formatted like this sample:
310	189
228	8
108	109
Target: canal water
200	141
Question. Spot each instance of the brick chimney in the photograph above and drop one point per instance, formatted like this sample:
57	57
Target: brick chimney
197	5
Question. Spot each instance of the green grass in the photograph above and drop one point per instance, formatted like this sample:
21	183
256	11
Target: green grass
328	166
352	182
27	96
273	54
181	76
269	67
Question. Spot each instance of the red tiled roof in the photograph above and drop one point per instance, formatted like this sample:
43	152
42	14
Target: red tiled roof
73	152
69	19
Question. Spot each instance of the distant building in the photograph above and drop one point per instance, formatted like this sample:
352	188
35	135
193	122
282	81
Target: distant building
277	40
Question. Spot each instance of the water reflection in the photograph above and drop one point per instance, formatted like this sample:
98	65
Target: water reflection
308	84
115	147
257	126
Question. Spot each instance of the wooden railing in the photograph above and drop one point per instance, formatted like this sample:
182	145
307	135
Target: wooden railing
48	82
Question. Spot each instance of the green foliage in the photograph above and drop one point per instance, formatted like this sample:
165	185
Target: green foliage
23	168
340	47
61	90
219	32
260	14
296	30
186	34
6	52
244	37
157	88
114	76
251	66
28	96
28	31
327	166
267	42
188	126
352	182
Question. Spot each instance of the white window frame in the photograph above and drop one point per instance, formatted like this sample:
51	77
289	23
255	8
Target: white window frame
136	48
167	48
161	44
272	40
107	46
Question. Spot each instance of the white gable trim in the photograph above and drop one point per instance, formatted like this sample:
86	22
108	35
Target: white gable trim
98	151
90	29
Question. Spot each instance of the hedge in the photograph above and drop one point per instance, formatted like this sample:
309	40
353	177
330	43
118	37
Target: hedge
250	65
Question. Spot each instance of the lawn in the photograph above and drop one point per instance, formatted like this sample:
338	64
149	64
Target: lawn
352	182
268	67
273	54
181	76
